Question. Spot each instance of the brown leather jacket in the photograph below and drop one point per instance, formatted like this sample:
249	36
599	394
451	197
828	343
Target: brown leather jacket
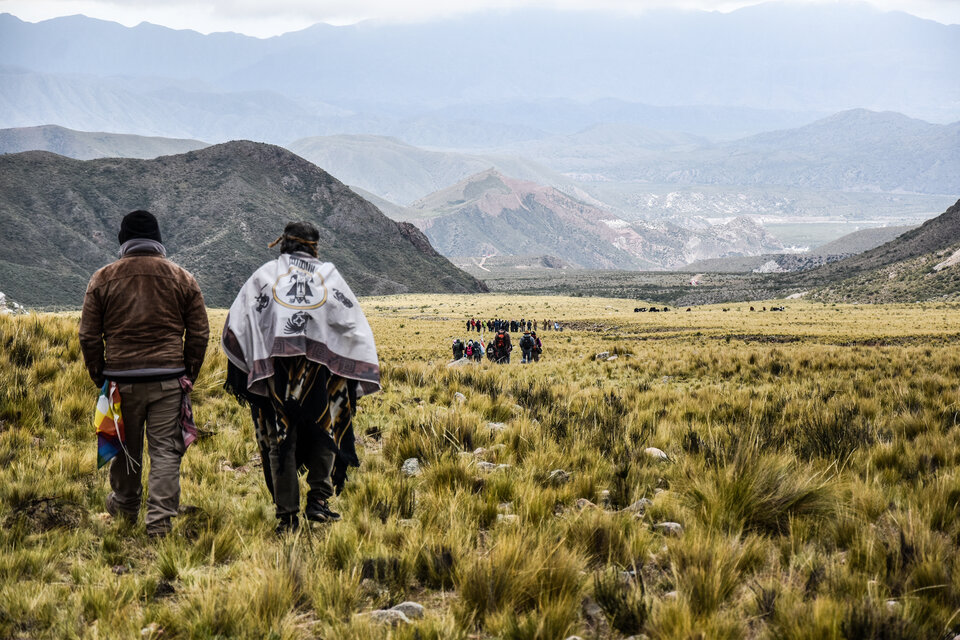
141	306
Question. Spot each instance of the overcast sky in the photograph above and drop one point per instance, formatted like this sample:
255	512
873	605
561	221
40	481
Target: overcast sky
266	18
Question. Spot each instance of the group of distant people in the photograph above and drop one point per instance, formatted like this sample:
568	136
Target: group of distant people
523	324
500	347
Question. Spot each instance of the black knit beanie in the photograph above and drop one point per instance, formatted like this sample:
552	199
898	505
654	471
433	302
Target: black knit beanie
139	224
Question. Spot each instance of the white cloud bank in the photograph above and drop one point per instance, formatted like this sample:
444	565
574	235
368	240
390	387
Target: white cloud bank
264	19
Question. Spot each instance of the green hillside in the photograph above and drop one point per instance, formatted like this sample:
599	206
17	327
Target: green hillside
218	208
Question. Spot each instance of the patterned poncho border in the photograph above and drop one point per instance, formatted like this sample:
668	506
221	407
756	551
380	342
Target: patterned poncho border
298	306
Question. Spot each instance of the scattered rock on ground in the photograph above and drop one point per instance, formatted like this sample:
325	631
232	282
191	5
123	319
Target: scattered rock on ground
595	618
656	454
496	426
639	506
413	610
603	355
613	357
411	467
583	503
391	617
459	363
459	397
669	528
508	518
559	476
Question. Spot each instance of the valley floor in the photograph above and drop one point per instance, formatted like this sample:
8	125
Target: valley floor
717	474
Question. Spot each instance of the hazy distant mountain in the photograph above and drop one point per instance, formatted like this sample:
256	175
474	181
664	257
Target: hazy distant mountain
489	213
783	56
402	173
86	145
218	208
853	150
153	107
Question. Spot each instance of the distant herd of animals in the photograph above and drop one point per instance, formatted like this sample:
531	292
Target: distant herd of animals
658	310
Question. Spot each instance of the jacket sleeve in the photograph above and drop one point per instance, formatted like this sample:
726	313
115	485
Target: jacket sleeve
91	333
197	330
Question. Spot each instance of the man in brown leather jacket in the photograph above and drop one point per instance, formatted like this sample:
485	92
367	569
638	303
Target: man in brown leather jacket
144	325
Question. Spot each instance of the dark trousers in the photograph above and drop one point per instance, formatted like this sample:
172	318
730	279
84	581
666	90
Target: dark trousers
302	447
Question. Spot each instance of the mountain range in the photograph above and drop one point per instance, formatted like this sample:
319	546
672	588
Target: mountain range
218	208
858	150
485	78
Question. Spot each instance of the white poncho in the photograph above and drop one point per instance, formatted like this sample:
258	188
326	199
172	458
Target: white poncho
298	306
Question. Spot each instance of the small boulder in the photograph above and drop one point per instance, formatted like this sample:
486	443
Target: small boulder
669	528
496	426
583	503
411	467
558	476
413	610
459	397
603	355
613	357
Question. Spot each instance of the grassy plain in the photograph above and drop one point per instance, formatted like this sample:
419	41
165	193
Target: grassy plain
812	463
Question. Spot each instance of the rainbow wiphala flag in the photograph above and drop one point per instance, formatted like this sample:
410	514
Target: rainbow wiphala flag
109	424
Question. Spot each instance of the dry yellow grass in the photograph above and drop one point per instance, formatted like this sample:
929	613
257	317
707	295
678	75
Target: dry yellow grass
813	464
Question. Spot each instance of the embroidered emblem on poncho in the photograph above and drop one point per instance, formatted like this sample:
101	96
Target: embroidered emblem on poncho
297	323
344	300
301	287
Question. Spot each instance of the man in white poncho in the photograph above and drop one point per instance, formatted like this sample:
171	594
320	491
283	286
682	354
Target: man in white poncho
300	354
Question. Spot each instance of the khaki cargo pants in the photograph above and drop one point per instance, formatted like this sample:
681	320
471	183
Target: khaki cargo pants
154	408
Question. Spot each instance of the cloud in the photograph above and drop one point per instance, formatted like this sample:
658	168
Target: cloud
262	19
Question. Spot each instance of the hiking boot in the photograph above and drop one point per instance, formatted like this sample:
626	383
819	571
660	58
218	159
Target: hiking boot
320	511
158	533
115	512
287	524
159	530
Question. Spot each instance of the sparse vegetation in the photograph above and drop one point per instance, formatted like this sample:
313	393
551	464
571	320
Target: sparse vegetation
812	470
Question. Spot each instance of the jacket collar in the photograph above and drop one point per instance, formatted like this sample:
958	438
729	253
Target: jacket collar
142	246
